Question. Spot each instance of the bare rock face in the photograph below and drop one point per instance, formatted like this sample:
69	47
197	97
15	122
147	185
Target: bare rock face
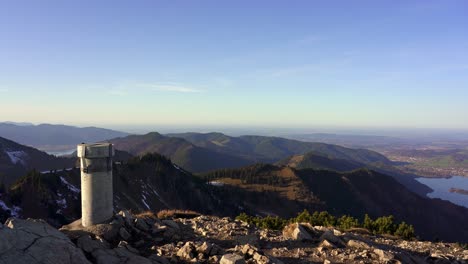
144	238
232	259
296	231
34	241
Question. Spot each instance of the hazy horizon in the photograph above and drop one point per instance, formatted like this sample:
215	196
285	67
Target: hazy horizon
259	65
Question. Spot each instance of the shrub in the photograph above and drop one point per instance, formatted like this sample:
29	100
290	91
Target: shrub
347	222
405	231
384	225
381	225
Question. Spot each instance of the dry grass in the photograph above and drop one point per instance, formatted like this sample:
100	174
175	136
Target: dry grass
147	214
359	230
177	214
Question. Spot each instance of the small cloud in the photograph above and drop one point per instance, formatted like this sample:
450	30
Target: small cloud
172	87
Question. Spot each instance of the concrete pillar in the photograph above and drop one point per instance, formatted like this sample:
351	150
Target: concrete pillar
96	182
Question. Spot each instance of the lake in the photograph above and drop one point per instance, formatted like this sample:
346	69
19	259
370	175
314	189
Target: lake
441	188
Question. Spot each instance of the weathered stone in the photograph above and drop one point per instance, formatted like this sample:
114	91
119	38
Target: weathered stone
171	223
327	244
159	259
384	255
232	259
296	232
249	250
34	241
328	235
187	252
109	232
88	245
205	248
358	244
124	234
127	216
124	244
141	224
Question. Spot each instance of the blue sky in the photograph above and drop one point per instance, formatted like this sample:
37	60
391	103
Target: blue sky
235	63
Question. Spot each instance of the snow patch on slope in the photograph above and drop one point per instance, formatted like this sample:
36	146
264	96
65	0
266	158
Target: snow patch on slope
14	211
17	156
70	186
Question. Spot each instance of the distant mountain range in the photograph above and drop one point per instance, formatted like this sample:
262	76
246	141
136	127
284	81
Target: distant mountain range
179	150
197	152
54	138
152	182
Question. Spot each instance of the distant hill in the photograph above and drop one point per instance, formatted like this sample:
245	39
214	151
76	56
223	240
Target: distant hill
180	151
312	154
57	138
17	159
270	189
272	149
315	161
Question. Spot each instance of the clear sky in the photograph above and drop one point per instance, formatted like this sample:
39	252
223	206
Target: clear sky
235	63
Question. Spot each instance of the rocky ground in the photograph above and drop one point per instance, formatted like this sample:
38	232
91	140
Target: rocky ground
144	238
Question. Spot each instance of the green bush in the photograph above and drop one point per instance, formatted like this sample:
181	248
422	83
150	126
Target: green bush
347	222
405	231
268	222
384	225
381	225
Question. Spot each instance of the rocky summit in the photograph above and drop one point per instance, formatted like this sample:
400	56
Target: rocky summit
145	238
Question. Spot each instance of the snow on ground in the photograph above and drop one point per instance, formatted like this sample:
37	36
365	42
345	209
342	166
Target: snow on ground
216	183
50	171
62	203
144	201
14	211
70	186
17	156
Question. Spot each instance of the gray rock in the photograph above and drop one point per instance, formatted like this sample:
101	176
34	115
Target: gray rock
328	235
296	232
327	244
205	248
34	241
124	234
383	255
109	232
141	224
127	216
187	252
171	223
159	259
232	259
358	244
88	245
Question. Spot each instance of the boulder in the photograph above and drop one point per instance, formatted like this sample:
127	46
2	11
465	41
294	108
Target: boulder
171	223
141	224
34	241
232	259
296	232
328	235
88	245
187	252
358	244
124	234
109	231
